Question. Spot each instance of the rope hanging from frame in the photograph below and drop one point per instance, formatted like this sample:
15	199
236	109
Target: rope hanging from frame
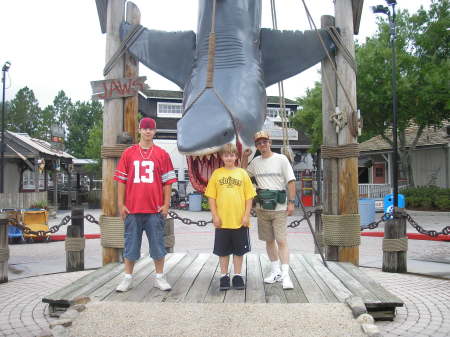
286	149
345	51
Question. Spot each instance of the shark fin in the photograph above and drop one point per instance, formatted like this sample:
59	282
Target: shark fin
287	53
170	54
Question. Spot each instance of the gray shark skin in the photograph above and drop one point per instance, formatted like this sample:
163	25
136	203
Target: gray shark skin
231	107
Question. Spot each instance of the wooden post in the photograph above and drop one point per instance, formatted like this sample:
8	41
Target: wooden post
330	166
112	121
347	167
395	261
4	249
346	99
318	204
75	258
131	70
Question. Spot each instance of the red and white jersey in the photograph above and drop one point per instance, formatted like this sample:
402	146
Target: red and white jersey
144	172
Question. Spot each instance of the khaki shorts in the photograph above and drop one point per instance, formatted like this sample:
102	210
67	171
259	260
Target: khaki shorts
271	225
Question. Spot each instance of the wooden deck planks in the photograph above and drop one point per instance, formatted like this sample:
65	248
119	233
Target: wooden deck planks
312	292
320	277
337	288
173	273
254	292
195	279
199	289
383	295
356	288
184	283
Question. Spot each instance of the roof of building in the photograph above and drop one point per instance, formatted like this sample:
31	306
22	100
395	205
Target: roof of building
40	145
430	137
177	94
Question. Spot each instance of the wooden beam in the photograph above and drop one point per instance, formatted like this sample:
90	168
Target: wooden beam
132	70
112	121
4	249
330	166
346	100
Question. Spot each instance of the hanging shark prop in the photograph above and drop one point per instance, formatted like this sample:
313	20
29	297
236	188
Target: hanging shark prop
224	70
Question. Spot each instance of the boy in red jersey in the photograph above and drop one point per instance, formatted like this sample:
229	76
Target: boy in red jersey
145	174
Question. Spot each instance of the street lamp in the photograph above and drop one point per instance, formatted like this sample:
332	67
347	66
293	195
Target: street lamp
391	15
5	68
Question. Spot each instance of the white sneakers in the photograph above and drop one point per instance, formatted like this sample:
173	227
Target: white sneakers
273	277
125	285
287	282
162	284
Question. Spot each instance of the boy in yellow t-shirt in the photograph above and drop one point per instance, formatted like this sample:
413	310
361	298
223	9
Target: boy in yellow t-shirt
230	193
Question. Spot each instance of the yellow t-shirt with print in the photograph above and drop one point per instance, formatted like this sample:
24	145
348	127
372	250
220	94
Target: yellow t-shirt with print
231	188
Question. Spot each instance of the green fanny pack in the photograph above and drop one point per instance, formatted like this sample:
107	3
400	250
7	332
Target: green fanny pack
268	199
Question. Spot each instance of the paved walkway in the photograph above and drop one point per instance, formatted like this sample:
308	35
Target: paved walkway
427	299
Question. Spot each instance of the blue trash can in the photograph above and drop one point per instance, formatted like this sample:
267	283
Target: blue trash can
195	202
389	203
366	211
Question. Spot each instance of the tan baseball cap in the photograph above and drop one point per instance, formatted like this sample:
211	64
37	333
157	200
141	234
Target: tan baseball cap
261	135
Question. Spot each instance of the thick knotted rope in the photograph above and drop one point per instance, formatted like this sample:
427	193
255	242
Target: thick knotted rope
341	230
341	151
395	245
75	244
112	230
4	254
114	151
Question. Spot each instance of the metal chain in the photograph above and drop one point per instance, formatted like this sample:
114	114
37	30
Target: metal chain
27	230
297	223
91	219
375	224
187	221
421	230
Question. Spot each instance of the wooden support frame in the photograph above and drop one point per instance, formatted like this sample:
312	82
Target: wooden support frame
112	126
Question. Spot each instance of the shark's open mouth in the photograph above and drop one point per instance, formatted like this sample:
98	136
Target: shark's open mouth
202	166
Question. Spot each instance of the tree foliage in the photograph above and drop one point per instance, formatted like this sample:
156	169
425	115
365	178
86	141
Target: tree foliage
309	118
24	114
423	64
81	121
82	118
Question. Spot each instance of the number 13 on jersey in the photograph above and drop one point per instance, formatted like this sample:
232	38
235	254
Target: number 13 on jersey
147	177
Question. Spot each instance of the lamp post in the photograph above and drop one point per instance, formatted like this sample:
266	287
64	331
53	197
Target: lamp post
393	34
5	68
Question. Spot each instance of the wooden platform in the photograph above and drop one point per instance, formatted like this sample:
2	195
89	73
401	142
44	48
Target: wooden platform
195	279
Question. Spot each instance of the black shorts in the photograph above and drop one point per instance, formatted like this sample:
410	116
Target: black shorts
232	241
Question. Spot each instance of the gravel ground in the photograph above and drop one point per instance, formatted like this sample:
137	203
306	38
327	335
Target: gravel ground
180	319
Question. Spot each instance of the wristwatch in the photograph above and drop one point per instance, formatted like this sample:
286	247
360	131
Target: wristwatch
292	200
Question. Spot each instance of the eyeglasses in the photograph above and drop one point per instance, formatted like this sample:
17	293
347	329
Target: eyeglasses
261	142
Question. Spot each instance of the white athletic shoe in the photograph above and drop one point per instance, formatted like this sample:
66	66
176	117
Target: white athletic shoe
162	284
273	277
287	282
125	285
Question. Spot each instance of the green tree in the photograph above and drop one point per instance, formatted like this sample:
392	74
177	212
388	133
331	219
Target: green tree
82	118
62	105
309	117
24	114
423	65
422	48
94	146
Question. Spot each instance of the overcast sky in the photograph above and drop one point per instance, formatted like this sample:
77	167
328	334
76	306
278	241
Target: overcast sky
57	44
